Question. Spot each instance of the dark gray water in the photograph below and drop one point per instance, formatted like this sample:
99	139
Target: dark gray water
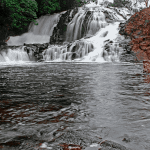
39	102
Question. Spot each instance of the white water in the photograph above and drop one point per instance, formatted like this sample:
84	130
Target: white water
102	1
61	53
16	55
96	31
98	42
40	33
96	21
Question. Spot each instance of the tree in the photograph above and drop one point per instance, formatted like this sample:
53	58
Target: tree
47	6
16	14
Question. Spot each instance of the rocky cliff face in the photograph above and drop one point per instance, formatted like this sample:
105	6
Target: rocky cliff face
59	31
138	29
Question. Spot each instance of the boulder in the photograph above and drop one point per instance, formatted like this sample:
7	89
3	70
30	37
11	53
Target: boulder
137	28
37	49
59	36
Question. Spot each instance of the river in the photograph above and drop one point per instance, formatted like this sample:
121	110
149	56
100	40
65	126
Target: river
90	102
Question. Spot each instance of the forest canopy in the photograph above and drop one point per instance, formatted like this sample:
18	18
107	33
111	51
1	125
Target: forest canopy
17	14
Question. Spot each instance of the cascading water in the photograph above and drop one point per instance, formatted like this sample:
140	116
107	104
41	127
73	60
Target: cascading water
84	24
40	33
89	25
71	52
15	55
102	1
84	38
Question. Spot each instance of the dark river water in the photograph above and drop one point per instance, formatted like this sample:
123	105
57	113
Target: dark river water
80	103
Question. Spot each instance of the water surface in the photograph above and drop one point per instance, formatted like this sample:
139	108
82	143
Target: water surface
42	101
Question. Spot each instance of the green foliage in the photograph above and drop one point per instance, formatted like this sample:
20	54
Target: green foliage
19	12
48	6
78	1
65	28
15	15
146	21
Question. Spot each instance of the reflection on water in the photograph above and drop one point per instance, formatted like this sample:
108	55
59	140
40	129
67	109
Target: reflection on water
74	103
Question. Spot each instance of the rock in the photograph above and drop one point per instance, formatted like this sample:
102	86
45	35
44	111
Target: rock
122	29
58	36
110	145
146	66
126	138
85	23
91	148
139	33
104	34
37	50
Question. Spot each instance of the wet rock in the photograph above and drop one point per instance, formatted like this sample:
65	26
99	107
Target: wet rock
59	36
70	146
122	29
104	34
146	66
126	138
6	47
110	145
84	25
108	16
138	29
79	138
129	57
36	49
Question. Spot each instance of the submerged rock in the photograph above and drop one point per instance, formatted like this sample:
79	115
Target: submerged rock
110	145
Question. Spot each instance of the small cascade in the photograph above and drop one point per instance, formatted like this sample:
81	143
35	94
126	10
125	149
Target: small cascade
15	55
76	50
111	52
75	26
85	23
45	25
100	2
40	33
104	50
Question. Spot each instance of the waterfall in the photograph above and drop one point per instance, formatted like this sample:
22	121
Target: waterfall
40	33
102	1
16	55
86	34
84	23
88	50
69	52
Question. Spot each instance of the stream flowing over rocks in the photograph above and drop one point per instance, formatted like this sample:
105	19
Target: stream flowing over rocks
73	35
74	82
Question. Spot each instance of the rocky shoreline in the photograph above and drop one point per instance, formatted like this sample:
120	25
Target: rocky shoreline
63	141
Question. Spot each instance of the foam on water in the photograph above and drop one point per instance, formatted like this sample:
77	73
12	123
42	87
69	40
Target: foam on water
98	42
17	55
